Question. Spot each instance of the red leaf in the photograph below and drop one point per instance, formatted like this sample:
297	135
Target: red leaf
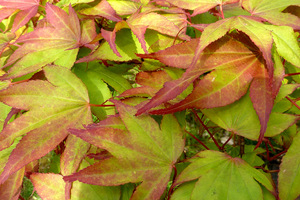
19	4
6	12
88	34
102	9
151	82
68	24
11	188
219	88
23	17
110	37
262	99
225	52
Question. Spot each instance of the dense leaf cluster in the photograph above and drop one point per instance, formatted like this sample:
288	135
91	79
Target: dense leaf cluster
142	99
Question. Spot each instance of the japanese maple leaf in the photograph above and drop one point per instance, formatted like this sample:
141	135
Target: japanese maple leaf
150	83
200	6
262	36
52	107
170	24
142	152
28	9
271	10
102	9
42	46
219	176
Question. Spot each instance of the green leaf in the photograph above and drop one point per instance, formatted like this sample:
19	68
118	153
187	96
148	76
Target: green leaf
124	7
72	2
149	159
289	174
97	89
240	118
286	43
4	110
184	191
54	106
96	71
221	176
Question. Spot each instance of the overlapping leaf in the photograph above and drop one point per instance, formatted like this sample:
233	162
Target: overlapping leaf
28	9
42	46
220	176
241	118
11	188
227	53
261	35
200	6
143	152
102	9
289	174
150	83
51	186
271	10
54	106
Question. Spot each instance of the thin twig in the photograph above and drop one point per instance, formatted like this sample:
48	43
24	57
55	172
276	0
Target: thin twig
205	127
288	98
197	140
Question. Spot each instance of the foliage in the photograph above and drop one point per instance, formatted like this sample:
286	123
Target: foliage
140	99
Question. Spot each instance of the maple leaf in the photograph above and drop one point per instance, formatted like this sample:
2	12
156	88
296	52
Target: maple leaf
200	6
124	7
224	54
11	188
102	9
143	152
53	107
241	119
35	52
220	176
28	9
150	83
288	177
262	36
272	11
51	186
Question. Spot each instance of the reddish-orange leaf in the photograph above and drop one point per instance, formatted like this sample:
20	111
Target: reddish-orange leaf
102	9
11	188
221	54
262	99
150	83
219	88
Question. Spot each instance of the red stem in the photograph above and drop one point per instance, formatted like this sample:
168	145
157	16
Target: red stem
227	141
101	105
172	186
17	82
197	140
277	155
205	127
292	74
222	13
288	98
267	149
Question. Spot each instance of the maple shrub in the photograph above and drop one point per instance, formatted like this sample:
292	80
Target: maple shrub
149	99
